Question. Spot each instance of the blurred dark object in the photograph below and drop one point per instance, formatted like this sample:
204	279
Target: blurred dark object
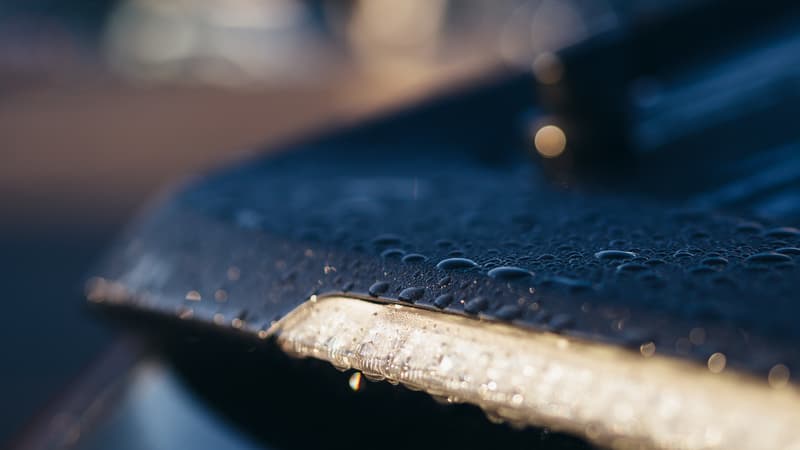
678	82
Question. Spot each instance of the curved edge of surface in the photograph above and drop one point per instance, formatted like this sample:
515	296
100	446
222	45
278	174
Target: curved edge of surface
608	395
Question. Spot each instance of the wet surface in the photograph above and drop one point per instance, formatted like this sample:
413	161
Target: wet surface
343	212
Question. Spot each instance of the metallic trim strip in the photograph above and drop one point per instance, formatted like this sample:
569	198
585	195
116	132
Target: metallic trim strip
610	396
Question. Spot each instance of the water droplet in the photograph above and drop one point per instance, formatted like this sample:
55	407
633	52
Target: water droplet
193	296
355	381
443	301
749	227
378	288
647	349
413	258
768	257
347	286
614	255
221	295
476	305
509	273
782	233
392	253
444	281
456	263
411	294
508	312
717	362
714	261
233	273
185	313
788	250
778	376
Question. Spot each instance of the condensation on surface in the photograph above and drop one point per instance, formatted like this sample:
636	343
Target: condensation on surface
608	395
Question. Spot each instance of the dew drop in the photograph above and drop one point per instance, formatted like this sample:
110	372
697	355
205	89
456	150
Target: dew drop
768	257
476	305
413	258
614	255
378	288
443	301
411	294
508	312
714	261
355	382
456	263
193	296
392	253
782	232
509	273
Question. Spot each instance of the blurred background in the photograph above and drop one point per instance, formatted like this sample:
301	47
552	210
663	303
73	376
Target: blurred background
105	104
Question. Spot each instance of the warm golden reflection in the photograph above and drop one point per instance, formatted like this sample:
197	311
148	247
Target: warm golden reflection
609	395
778	376
193	296
550	141
233	273
355	381
221	295
717	362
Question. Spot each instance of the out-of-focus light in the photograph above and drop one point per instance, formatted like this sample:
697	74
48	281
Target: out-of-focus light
550	141
547	68
232	42
778	376
221	295
647	349
185	313
391	33
536	27
193	296
717	362
697	336
355	381
233	273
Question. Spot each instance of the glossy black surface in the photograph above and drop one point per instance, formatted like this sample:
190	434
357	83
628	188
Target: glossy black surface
455	178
